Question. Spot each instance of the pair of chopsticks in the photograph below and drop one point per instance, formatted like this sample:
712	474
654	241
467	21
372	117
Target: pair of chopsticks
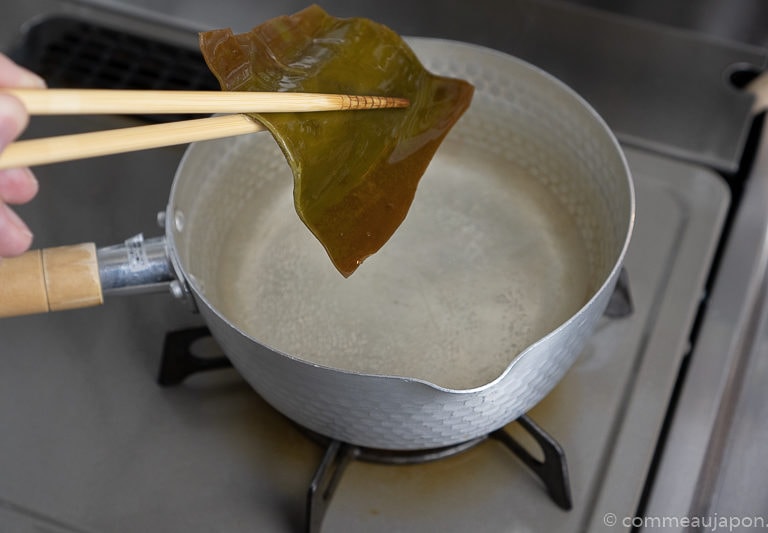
96	101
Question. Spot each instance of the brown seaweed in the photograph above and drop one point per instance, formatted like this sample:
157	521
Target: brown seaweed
355	172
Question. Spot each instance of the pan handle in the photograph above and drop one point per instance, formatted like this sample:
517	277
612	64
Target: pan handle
80	275
137	266
51	279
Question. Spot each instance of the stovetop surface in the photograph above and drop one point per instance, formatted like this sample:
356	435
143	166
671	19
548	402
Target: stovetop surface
90	440
91	443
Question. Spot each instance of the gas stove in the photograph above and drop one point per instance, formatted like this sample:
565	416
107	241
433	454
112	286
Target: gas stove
91	442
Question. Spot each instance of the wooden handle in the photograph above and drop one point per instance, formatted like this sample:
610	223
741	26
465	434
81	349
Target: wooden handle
51	279
82	145
116	101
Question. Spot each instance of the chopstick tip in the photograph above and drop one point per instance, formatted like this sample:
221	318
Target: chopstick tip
349	102
401	102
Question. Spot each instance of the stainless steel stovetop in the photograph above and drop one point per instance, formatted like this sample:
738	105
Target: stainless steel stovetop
90	443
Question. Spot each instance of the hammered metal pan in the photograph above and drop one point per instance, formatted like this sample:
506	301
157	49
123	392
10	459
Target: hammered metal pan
471	313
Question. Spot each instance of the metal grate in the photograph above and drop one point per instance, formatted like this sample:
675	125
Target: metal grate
73	53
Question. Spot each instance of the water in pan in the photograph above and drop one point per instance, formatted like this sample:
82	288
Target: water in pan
487	262
518	221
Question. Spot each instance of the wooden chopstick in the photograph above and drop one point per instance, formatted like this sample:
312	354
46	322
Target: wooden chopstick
83	145
97	101
115	101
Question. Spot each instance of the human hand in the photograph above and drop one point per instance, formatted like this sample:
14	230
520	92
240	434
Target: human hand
17	185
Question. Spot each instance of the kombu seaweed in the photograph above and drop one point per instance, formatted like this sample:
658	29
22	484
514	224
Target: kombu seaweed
355	172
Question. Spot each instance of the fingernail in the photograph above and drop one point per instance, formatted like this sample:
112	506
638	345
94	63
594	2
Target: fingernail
31	80
13	119
32	179
26	174
16	222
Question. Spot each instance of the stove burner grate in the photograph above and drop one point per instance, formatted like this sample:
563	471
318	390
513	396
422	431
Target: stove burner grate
551	471
179	362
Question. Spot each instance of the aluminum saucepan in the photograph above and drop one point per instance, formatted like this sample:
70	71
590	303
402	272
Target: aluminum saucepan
464	320
470	314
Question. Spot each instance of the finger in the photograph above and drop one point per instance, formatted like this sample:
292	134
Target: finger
12	75
17	185
13	119
15	237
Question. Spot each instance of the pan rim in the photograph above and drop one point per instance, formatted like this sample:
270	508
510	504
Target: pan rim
597	293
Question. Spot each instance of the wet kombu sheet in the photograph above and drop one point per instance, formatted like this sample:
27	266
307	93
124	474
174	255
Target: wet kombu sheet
355	172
